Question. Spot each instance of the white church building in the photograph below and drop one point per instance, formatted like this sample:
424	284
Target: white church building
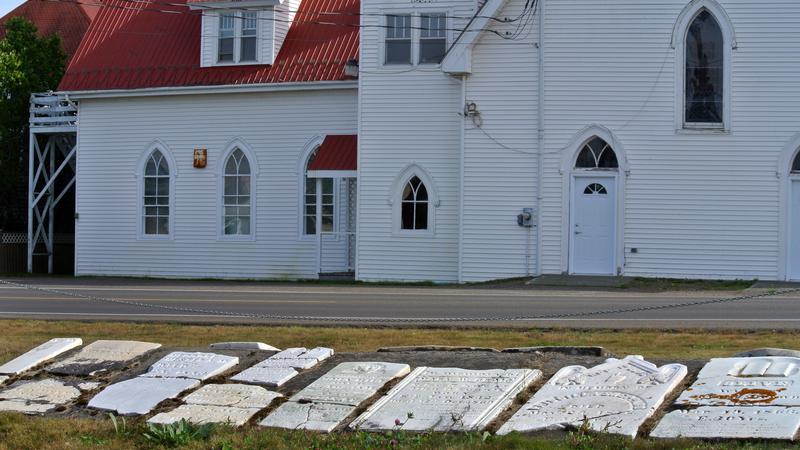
444	140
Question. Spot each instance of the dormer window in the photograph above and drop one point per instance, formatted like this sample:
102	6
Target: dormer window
238	37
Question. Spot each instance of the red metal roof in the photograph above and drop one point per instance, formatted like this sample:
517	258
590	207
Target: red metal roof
145	47
337	152
68	20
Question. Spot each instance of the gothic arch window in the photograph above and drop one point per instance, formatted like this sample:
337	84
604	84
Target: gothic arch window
704	66
156	195
796	164
597	154
414	207
237	195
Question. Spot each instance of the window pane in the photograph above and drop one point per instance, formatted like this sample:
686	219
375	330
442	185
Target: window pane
150	186
230	185
244	225
421	222
248	49
398	51
162	200
408	215
327	186
150	169
704	70
422	193
433	38
230	225
408	193
150	225
327	210
163	225
398	39
151	211
311	225
431	51
244	185
327	224
163	186
225	50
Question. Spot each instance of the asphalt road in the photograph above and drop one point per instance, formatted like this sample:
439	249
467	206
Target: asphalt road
368	305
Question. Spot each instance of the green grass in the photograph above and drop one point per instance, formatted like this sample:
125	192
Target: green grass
668	284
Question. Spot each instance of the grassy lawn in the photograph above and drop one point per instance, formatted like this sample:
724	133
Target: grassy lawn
20	432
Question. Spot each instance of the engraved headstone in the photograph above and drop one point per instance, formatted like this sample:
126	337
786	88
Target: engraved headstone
141	394
756	398
195	365
446	399
101	356
37	397
283	366
247	346
40	354
328	401
615	397
234	404
730	422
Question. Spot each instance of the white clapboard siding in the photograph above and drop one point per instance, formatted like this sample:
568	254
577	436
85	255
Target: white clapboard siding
500	177
114	135
407	116
697	205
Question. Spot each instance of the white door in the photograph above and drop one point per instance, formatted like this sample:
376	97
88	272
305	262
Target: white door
592	227
794	232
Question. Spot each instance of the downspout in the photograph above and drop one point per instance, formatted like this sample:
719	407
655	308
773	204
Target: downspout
540	140
461	182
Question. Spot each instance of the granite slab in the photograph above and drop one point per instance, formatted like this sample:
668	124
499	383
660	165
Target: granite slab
245	346
196	365
726	422
141	394
36	397
102	356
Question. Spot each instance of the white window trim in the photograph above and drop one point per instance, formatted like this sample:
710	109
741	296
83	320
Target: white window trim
173	174
237	39
395	201
311	146
679	35
251	159
415	36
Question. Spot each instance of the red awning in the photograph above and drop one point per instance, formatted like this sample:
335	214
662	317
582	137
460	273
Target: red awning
337	153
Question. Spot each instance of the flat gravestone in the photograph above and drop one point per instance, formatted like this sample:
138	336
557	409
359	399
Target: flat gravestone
754	398
283	366
246	346
37	397
141	394
102	356
220	403
327	402
40	354
195	365
446	399
3	379
762	381
715	422
615	397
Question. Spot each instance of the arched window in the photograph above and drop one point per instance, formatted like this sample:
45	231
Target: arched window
796	164
236	198
318	191
704	71
414	208
597	154
156	195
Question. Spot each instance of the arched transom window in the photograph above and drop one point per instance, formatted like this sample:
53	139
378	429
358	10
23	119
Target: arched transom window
704	71
156	195
236	201
415	203
597	154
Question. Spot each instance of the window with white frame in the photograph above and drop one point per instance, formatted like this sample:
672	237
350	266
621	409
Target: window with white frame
155	214
704	65
236	200
398	39
238	37
414	206
318	191
432	38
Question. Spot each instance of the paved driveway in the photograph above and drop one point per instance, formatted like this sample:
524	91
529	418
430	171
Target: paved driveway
233	302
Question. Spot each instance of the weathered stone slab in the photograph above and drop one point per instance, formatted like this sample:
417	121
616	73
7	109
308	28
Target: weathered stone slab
140	395
245	346
726	422
323	417
434	348
328	401
195	365
88	386
446	399
282	367
101	356
768	352
234	395
37	397
202	414
39	355
764	381
577	351
615	397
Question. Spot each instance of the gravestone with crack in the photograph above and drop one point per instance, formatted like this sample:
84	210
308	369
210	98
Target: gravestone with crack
39	355
233	404
37	397
446	399
252	346
102	356
615	397
279	368
327	402
166	379
757	398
